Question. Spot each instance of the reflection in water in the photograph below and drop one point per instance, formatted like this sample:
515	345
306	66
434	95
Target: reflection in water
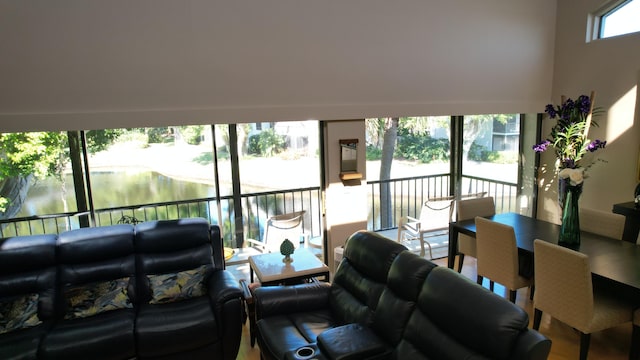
112	189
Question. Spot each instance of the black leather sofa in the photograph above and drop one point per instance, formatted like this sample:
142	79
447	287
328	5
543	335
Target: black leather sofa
156	290
388	303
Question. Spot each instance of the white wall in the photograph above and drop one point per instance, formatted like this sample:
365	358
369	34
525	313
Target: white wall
345	201
611	68
69	64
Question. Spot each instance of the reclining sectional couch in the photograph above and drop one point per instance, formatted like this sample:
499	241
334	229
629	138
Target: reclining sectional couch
156	290
387	303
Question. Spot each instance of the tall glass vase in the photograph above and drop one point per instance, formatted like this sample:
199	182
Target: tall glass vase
570	227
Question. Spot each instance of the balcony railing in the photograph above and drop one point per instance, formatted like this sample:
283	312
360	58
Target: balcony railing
406	196
255	206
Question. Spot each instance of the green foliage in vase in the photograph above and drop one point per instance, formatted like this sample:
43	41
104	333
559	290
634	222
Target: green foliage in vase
569	136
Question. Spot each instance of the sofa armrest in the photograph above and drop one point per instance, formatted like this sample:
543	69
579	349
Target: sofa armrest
218	247
275	300
223	287
225	297
351	341
532	345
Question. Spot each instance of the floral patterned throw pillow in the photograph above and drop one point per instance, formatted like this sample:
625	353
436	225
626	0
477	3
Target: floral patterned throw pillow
96	298
18	313
172	287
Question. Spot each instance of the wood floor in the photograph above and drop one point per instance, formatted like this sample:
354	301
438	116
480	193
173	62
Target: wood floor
609	344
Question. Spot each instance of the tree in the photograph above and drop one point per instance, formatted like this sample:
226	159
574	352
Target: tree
190	134
36	155
375	131
388	147
24	156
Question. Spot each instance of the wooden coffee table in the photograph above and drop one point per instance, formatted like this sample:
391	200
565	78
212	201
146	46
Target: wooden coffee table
271	270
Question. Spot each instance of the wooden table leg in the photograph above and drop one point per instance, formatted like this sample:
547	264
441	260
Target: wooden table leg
453	246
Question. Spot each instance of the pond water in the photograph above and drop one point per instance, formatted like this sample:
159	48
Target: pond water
112	189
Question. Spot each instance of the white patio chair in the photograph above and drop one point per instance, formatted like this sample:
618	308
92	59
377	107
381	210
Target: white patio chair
278	228
435	215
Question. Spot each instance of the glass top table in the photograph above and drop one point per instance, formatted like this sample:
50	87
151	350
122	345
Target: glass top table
270	269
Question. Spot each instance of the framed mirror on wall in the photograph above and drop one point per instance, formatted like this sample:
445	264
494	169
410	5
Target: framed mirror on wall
349	159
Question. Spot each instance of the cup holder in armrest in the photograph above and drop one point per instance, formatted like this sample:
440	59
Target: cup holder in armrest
305	352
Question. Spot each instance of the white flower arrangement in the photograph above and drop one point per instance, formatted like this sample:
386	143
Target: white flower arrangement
575	176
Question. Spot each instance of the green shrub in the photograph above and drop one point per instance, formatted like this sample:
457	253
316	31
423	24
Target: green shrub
422	148
223	153
476	151
266	143
373	153
481	153
159	135
192	134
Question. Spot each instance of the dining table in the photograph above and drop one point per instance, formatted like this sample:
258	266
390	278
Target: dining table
611	259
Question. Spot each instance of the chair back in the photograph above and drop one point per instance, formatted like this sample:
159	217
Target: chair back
497	251
602	223
173	249
469	208
362	276
27	280
563	284
436	213
284	226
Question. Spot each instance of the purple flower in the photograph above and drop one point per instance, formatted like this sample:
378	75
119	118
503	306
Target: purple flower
569	104
551	111
595	145
567	110
584	104
569	134
542	146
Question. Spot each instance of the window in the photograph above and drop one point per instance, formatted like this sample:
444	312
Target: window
407	163
426	163
506	133
170	172
490	147
623	18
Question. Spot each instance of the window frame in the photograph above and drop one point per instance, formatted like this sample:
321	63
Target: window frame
596	23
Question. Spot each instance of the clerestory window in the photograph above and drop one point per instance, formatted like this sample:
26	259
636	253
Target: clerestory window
622	18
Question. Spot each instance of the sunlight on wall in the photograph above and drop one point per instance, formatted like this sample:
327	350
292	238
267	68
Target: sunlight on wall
620	117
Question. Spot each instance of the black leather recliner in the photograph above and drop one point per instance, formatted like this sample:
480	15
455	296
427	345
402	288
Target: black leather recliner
420	311
158	290
192	327
290	317
90	258
27	276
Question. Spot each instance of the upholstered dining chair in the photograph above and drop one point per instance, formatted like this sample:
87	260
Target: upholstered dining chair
467	209
602	223
497	255
565	291
435	215
278	228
